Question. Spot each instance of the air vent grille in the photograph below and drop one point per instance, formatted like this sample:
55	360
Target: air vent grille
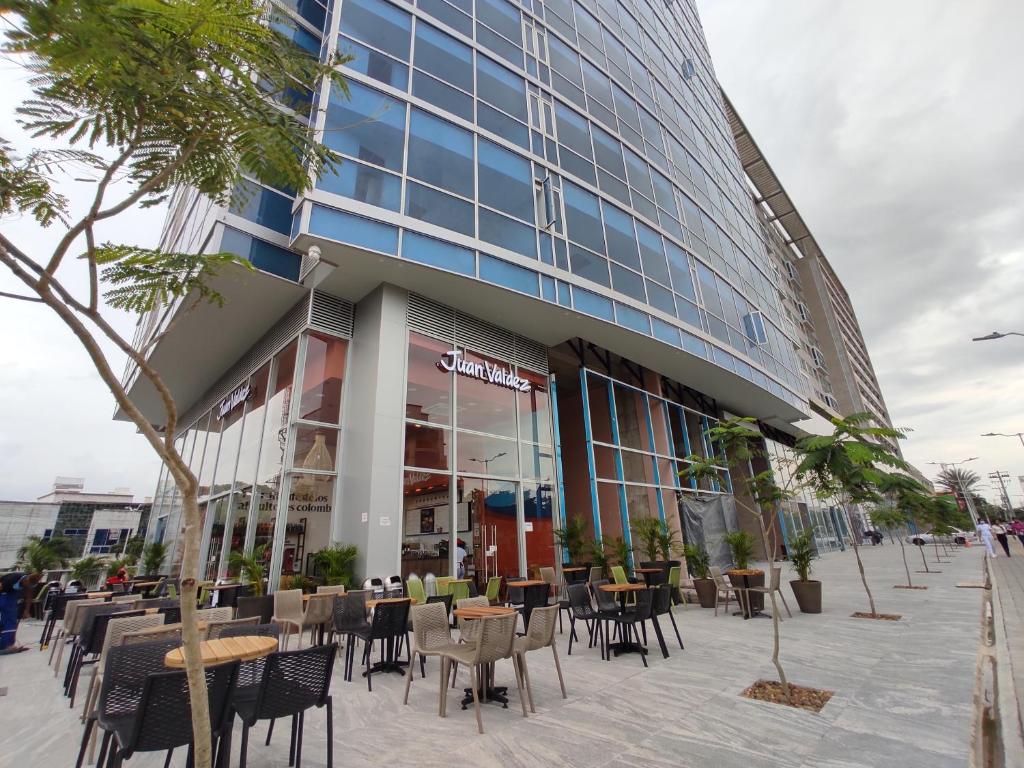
331	314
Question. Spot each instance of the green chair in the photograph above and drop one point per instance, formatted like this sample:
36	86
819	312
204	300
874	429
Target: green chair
172	592
459	590
443	585
39	601
678	598
414	589
619	575
493	589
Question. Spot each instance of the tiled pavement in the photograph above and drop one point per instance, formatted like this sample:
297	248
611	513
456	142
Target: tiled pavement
902	694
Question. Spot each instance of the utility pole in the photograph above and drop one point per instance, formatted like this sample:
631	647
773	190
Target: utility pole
968	500
1001	477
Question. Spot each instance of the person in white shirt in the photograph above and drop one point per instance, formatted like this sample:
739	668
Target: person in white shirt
985	532
1000	534
460	558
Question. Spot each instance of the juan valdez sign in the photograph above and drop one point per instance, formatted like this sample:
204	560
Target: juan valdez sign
235	399
492	373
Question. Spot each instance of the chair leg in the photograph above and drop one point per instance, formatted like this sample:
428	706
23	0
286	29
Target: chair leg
443	692
330	733
298	741
643	656
270	730
408	680
86	734
473	674
245	743
558	669
423	667
519	663
572	633
717	595
788	612
291	745
524	670
369	684
676	628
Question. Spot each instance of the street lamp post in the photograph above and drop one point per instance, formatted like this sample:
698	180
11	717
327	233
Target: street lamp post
487	462
1001	476
959	481
1018	435
996	335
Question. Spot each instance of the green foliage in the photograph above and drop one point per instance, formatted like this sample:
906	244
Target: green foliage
133	549
669	541
573	537
888	519
298	581
647	534
956	480
801	553
24	188
87	569
697	561
251	567
337	563
619	550
599	554
38	556
115	565
153	556
741	545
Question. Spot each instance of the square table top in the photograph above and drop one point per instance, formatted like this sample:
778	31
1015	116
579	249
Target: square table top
527	583
647	570
374	603
622	587
574	569
244	648
481	611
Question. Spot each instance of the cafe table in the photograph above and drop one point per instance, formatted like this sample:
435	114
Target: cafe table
389	661
647	574
623	590
244	648
485	692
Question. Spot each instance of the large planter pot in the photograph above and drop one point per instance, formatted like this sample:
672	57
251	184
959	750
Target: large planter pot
808	595
705	589
744	580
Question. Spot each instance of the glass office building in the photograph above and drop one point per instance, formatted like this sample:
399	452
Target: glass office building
532	282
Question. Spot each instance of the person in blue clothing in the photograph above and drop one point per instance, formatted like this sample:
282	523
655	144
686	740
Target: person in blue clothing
15	596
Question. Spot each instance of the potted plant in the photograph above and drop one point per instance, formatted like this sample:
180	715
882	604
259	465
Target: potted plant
87	570
807	592
699	565
620	550
599	556
646	533
741	575
337	563
669	543
572	538
153	556
251	567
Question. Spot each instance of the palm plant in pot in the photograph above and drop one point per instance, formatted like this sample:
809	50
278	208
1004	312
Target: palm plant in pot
806	590
646	533
698	563
572	539
741	575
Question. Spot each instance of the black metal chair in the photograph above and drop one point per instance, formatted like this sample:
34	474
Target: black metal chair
163	719
91	643
292	682
172	614
663	606
255	605
534	596
446	599
350	621
84	618
57	609
628	621
126	669
582	609
390	623
251	672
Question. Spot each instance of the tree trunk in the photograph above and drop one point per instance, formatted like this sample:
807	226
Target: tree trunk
190	633
903	551
924	560
860	565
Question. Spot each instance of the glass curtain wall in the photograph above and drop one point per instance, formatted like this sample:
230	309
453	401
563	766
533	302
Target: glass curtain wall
639	443
479	469
804	510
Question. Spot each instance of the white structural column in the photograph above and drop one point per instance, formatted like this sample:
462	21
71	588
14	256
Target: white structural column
369	514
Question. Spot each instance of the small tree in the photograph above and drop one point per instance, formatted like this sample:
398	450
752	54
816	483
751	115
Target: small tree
849	465
133	549
338	563
893	521
38	556
87	570
647	533
669	541
572	538
741	545
144	97
153	556
698	563
801	554
251	566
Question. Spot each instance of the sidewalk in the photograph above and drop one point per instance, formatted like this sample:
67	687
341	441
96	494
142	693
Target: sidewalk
903	693
1008	613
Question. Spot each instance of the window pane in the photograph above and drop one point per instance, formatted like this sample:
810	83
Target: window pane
308	525
628	282
589	265
444	57
485	455
426	447
264	206
449	15
442	95
501	17
378	23
583	219
572	131
483	406
322	378
535	409
438	208
363	183
428	388
440	153
652	254
509	275
500	88
355	230
249	451
275	427
679	266
370	126
505	181
592	304
316	448
374	64
618	231
436	253
608	151
508	233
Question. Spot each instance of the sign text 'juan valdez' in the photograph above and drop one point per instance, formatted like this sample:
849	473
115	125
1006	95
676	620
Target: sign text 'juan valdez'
492	373
236	398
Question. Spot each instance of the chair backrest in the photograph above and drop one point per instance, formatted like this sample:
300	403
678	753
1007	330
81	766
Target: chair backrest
237	629
125	599
547	573
288	604
125	671
164	717
258	605
494	636
87	618
228	596
619	574
350	611
212	615
534	596
662	599
446	599
674	575
389	620
171	614
430	627
493	588
414	588
97	639
466	625
775	579
605	600
579	600
320	608
443	585
215	629
121	625
541	631
165	633
718	578
644	604
294	681
596	573
331	589
459	590
73	610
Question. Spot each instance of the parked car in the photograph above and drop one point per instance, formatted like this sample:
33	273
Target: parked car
960	537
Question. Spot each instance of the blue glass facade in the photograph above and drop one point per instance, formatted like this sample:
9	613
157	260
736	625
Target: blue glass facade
562	150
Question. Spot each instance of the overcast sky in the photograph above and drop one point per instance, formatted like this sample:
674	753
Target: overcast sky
896	128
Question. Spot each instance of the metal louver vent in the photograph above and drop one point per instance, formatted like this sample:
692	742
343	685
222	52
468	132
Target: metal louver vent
331	314
447	324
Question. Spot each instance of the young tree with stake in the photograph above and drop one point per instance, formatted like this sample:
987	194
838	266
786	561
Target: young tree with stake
145	97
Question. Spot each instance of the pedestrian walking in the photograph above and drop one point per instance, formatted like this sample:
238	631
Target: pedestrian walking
985	532
1000	532
1018	530
15	597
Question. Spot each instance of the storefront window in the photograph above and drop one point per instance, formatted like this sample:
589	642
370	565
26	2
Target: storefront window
252	430
230	439
316	448
308	525
535	409
538	508
429	389
322	378
219	509
273	444
484	406
426	447
426	524
486	455
212	426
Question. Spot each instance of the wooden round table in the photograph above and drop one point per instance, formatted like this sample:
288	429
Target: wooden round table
245	648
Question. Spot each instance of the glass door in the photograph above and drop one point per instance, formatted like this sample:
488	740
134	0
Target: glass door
488	528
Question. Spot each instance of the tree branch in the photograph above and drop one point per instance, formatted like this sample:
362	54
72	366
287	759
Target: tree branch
20	298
